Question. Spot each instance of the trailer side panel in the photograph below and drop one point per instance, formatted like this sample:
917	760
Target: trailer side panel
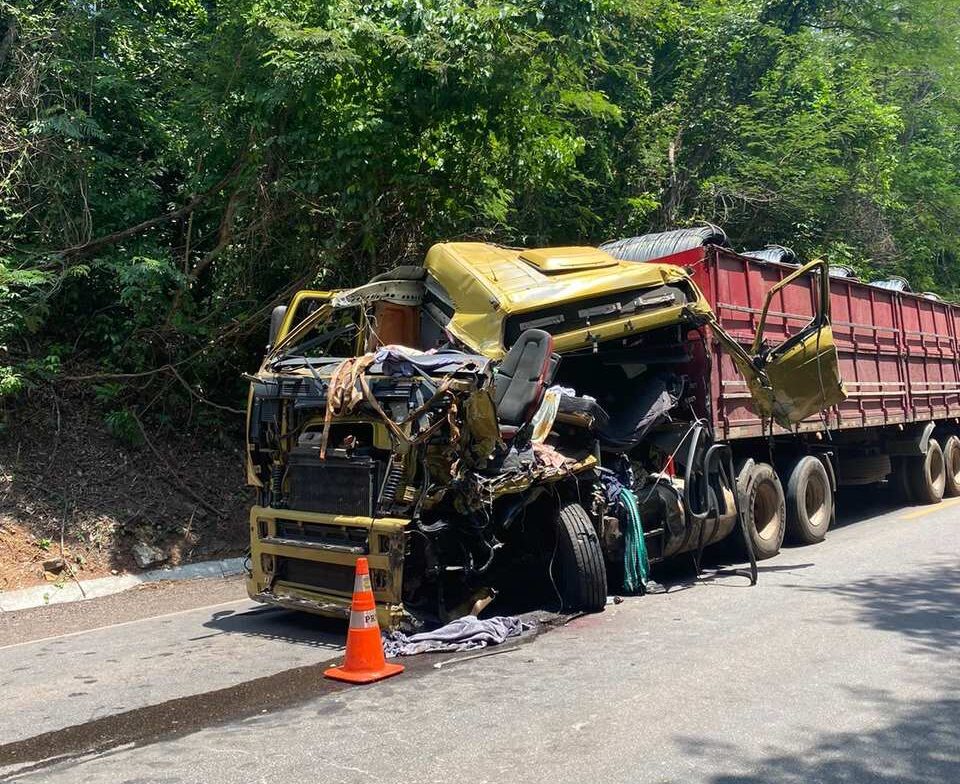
898	352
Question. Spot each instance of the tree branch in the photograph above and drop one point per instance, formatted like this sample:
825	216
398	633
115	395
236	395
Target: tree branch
200	397
223	239
118	236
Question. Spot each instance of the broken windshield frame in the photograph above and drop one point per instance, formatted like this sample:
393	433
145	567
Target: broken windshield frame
299	350
295	333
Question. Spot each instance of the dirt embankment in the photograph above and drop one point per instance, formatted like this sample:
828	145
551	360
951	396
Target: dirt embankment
65	479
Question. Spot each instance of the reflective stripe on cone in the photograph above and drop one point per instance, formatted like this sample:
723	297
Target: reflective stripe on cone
364	619
361	584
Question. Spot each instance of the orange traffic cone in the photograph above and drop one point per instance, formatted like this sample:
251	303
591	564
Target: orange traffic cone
364	662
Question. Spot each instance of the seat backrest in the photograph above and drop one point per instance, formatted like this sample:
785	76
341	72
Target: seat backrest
523	376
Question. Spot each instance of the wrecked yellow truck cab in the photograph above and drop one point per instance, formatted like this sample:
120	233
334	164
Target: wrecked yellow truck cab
495	421
491	288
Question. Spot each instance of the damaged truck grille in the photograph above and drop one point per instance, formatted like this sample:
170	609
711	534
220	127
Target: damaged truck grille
343	487
332	577
334	536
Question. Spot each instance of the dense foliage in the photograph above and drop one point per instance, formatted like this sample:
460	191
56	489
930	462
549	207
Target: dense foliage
171	169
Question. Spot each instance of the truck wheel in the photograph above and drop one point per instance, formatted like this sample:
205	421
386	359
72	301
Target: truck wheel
761	494
900	480
578	568
951	459
928	475
809	501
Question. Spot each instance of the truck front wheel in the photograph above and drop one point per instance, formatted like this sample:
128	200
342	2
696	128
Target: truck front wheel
809	501
577	568
761	495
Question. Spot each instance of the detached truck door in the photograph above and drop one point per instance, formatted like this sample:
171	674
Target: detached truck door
802	373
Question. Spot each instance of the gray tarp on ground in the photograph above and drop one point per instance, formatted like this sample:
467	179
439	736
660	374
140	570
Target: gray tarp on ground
463	634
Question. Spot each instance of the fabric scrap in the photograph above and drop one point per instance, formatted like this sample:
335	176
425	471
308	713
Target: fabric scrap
550	458
404	362
463	634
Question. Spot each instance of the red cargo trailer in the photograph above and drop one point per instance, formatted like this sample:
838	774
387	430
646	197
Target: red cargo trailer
898	351
899	358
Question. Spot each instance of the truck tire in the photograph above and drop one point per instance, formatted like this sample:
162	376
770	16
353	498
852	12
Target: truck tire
809	501
928	475
764	508
951	460
580	575
863	470
900	480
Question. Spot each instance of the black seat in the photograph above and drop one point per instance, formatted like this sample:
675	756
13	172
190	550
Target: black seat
522	379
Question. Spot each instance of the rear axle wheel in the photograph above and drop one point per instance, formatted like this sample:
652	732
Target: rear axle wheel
928	475
761	495
809	501
951	461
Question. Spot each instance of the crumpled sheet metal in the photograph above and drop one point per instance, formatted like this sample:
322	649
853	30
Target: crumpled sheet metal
464	634
480	414
349	386
547	465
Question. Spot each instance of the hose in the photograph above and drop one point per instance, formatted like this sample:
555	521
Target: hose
741	519
725	468
636	564
704	500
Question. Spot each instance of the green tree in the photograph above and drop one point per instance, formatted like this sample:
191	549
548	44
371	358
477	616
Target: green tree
171	169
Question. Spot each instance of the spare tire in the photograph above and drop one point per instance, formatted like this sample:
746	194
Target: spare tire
578	569
764	508
809	501
951	459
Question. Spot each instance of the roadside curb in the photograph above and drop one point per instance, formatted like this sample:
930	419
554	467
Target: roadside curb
41	595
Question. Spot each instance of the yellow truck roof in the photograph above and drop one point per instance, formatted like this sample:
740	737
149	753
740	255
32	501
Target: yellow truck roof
487	283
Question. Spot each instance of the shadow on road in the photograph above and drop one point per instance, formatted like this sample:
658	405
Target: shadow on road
856	504
923	606
920	745
275	624
920	742
723	563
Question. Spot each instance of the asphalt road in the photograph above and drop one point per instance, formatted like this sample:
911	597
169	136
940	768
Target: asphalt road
842	666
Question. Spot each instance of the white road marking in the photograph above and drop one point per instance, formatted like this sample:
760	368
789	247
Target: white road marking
125	623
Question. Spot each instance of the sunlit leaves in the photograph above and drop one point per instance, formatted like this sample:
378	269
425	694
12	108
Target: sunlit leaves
349	135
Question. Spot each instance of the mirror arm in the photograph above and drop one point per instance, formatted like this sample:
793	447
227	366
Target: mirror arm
824	313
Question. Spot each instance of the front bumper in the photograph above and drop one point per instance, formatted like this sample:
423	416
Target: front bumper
306	561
